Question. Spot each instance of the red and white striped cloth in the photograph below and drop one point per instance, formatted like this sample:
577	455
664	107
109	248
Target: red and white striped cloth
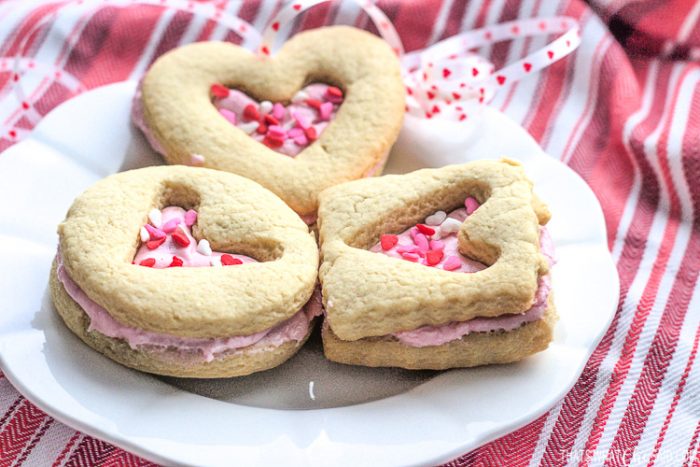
623	111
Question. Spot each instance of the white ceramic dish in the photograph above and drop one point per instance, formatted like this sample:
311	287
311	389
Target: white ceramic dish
430	418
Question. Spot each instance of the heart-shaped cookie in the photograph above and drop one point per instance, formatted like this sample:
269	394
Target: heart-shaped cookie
177	110
186	321
373	300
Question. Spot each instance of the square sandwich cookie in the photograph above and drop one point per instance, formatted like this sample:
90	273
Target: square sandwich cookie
436	269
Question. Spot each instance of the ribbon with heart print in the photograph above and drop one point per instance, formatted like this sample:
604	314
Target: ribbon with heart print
444	79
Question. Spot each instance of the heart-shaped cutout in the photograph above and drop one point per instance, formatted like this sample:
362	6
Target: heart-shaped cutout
167	241
285	129
175	109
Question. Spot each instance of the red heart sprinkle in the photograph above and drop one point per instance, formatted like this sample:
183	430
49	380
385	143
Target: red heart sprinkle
334	91
315	103
311	134
25	105
475	71
180	238
265	50
297	7
527	66
550	54
462	117
15	77
433	257
271	120
272	142
388	241
250	112
501	79
148	262
219	91
409	91
261	129
276	26
228	260
424	229
13	133
456	95
176	262
431	95
153	244
446	72
435	109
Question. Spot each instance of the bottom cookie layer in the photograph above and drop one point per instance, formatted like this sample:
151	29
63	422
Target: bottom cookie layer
480	348
241	362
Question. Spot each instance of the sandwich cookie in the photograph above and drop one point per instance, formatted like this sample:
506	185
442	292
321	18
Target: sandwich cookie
436	269
186	272
324	110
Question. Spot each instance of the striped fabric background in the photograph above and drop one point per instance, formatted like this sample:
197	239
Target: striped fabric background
623	111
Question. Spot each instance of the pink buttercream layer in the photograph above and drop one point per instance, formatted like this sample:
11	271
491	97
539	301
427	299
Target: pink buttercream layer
293	329
437	335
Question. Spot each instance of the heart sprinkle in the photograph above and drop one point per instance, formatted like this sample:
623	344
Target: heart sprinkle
388	241
176	262
219	90
190	217
148	262
180	238
228	260
273	124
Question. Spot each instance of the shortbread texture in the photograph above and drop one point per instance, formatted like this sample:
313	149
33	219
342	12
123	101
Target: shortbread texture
100	234
178	109
480	348
367	294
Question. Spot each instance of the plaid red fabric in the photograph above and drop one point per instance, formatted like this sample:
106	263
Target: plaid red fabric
623	111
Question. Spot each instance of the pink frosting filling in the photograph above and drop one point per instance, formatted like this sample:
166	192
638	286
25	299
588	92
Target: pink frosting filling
293	329
414	245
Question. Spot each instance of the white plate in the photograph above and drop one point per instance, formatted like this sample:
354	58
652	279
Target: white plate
431	418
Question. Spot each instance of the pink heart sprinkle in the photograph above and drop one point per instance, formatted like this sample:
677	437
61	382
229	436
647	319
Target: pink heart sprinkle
295	132
410	257
301	120
156	234
471	204
451	263
326	110
228	115
422	242
278	111
190	217
301	140
170	226
277	132
437	245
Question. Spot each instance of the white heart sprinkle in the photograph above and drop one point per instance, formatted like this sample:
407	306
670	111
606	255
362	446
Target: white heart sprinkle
204	248
300	97
436	219
265	107
449	226
249	127
216	261
156	218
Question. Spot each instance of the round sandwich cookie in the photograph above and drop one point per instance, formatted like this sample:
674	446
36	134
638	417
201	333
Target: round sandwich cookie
186	272
324	110
436	269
